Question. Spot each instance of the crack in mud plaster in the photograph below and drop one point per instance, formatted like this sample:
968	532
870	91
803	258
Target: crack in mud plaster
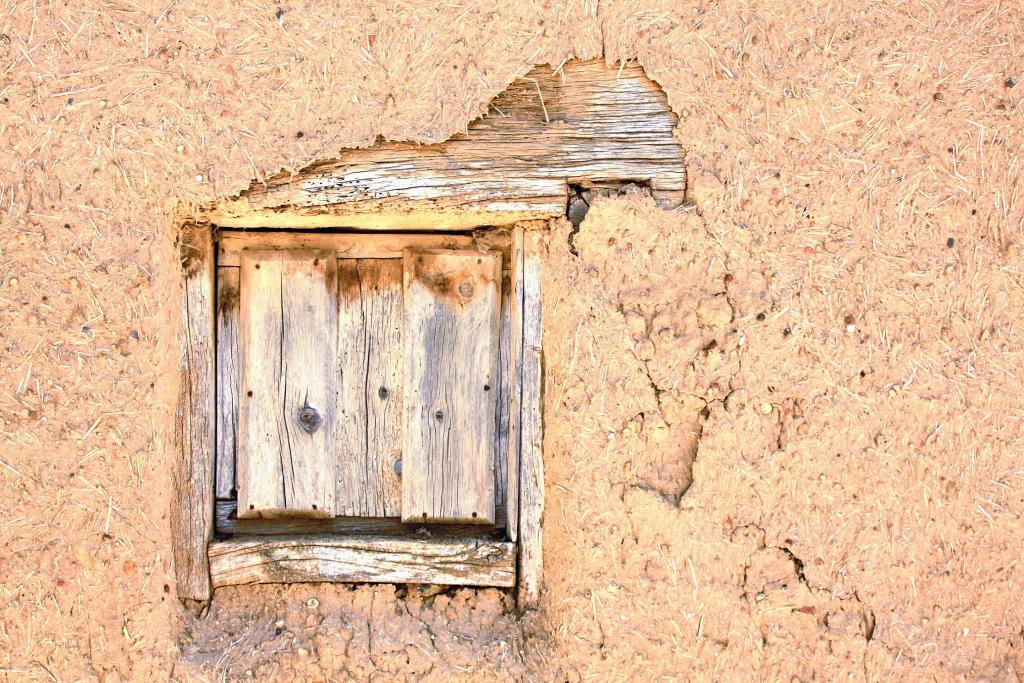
867	615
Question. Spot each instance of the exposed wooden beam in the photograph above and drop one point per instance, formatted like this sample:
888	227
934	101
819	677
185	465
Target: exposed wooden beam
293	559
588	123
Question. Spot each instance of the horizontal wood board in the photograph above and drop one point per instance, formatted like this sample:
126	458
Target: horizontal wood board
354	245
296	559
228	523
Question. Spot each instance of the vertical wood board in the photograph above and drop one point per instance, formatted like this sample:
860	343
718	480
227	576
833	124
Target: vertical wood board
531	426
452	307
191	514
516	367
288	322
369	439
503	476
227	381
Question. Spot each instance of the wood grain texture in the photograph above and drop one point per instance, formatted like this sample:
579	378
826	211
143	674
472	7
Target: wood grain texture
228	522
227	381
353	245
452	307
503	405
191	513
369	435
531	426
516	366
289	331
590	122
385	249
294	559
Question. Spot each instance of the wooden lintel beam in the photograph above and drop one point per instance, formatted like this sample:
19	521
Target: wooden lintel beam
587	123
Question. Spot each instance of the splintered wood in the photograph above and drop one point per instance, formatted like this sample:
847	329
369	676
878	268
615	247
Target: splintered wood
452	307
585	123
288	319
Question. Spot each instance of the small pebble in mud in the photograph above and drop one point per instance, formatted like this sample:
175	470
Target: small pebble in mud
760	316
951	242
300	134
312	603
848	319
766	408
786	332
1010	82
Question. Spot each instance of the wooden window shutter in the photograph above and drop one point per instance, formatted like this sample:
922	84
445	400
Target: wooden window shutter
288	355
452	304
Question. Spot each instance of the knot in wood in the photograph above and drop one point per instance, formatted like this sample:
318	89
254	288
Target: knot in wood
309	419
466	290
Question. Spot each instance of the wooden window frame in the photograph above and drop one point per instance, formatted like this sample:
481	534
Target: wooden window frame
584	124
214	548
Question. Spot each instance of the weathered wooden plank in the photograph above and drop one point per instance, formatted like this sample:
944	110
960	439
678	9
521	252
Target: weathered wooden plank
504	477
452	306
288	319
369	437
585	122
516	363
294	559
227	380
191	514
227	522
531	426
352	246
